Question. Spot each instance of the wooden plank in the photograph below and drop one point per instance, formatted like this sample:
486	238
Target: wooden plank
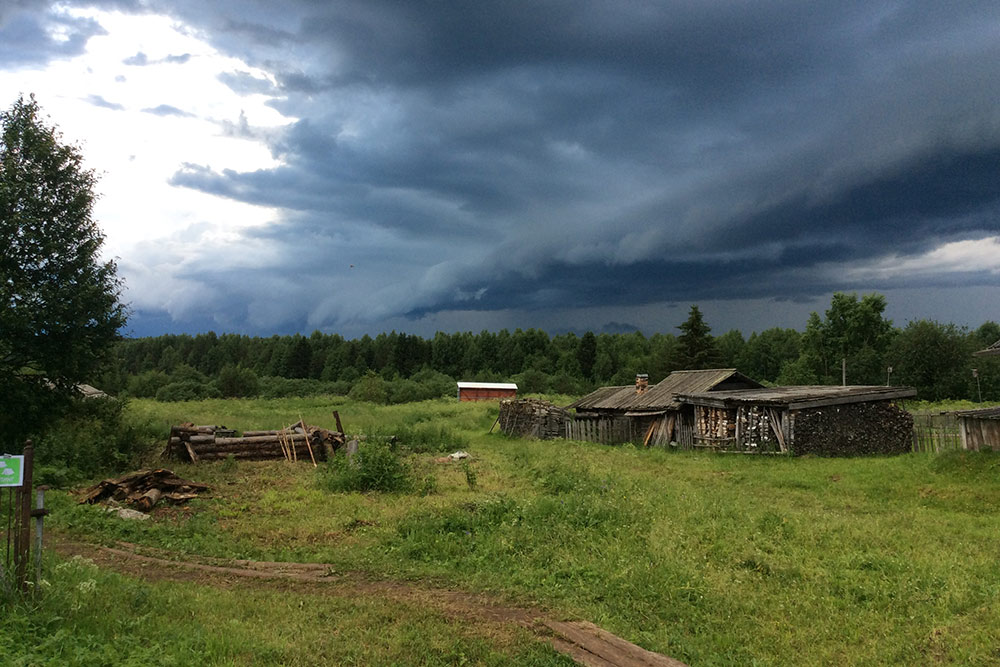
775	421
608	648
649	433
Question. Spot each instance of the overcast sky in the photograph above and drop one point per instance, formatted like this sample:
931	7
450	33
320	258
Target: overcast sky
361	166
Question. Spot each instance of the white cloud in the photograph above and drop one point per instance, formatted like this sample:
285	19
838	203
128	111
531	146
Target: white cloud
136	152
956	257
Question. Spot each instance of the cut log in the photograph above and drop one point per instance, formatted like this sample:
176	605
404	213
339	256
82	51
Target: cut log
260	439
147	500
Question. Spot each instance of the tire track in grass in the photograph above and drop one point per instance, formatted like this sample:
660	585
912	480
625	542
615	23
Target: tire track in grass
584	642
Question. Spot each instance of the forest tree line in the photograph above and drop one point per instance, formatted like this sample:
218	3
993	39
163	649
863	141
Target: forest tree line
935	358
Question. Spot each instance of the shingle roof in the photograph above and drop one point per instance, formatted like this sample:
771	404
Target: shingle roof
661	396
798	397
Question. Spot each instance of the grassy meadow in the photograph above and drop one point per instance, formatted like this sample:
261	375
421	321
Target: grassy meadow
711	559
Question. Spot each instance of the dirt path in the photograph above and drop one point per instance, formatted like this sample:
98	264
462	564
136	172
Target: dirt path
585	642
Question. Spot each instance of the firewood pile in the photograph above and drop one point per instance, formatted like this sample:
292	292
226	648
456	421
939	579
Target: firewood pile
299	441
145	488
532	418
853	430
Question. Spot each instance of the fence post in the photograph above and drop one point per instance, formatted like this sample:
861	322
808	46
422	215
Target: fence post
22	539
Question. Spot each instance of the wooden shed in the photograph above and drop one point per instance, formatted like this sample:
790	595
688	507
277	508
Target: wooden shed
980	429
823	420
648	415
486	391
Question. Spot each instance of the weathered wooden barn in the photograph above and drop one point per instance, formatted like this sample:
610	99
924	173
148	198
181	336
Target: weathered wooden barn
823	420
980	429
486	391
647	415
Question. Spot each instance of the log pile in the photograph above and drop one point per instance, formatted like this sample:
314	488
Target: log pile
878	427
145	488
299	441
532	418
715	427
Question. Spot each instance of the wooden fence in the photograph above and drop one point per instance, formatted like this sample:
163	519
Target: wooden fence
609	430
605	430
15	529
936	433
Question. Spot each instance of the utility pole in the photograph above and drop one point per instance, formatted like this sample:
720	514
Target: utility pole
843	372
979	389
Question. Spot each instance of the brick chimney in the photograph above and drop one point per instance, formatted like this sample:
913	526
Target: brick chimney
641	383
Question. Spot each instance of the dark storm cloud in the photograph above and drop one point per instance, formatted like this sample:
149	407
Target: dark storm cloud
246	83
491	156
625	153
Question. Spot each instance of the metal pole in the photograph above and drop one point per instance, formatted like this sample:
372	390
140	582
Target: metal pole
39	513
843	372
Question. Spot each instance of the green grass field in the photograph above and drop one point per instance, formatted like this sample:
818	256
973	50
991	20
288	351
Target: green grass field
711	559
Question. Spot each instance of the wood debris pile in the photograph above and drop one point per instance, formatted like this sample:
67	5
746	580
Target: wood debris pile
145	488
532	418
299	441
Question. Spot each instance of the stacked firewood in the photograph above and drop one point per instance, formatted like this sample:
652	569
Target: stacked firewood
859	429
715	423
298	442
145	488
532	418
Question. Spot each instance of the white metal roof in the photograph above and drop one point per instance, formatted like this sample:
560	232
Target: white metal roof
487	385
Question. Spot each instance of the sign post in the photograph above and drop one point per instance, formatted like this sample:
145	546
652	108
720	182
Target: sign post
11	470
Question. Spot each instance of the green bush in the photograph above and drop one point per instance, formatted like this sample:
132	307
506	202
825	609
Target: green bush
145	385
404	391
434	384
238	382
95	436
187	390
279	387
375	467
370	389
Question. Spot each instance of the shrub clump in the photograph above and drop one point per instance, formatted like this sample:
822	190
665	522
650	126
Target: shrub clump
376	466
370	389
95	436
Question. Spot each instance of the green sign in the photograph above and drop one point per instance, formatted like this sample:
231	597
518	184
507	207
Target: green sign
11	470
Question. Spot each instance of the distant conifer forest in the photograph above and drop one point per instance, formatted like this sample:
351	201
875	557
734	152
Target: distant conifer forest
935	358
